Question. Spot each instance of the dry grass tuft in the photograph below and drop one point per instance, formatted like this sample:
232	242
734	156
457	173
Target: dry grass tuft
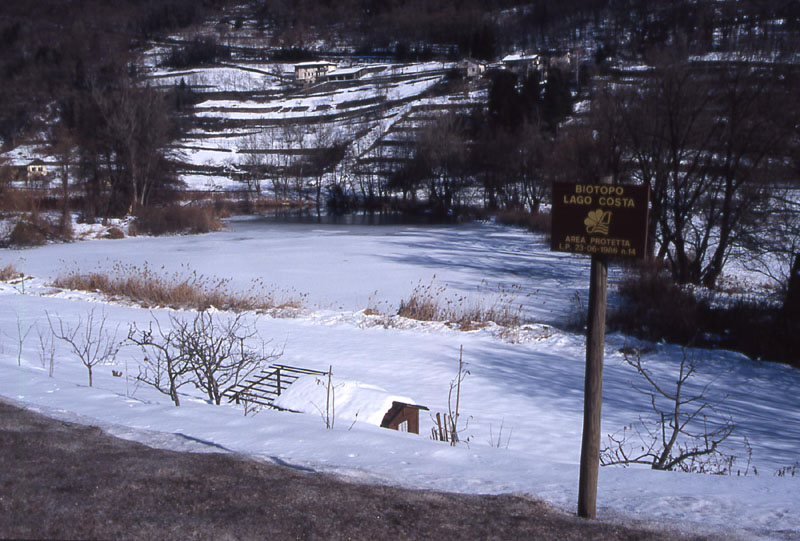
431	303
187	290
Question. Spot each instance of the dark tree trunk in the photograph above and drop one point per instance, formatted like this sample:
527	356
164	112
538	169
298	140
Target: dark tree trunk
791	305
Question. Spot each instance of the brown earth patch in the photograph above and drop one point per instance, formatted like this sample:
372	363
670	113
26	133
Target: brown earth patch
62	480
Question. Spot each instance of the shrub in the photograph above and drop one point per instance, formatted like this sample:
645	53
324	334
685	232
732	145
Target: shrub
30	231
655	308
174	219
9	272
114	233
538	222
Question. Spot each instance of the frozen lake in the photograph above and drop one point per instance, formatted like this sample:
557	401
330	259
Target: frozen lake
344	267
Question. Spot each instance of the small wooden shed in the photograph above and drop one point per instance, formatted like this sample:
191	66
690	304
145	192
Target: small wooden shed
403	417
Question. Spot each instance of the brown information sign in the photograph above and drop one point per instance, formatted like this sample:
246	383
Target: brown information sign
600	219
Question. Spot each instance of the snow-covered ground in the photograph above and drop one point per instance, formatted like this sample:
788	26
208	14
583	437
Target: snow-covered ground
531	386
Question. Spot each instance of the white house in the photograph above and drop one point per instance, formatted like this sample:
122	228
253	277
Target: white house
346	74
471	68
309	72
521	64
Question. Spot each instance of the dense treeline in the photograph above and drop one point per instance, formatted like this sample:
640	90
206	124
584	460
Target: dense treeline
484	29
67	70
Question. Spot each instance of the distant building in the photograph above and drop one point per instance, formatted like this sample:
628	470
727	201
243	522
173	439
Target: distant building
36	170
346	74
522	64
470	68
309	72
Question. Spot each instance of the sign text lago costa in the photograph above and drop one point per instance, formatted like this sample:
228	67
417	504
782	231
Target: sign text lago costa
600	219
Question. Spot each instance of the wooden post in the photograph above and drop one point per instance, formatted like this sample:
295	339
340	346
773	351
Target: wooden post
593	389
278	379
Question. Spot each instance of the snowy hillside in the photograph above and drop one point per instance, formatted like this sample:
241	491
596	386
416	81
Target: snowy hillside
522	397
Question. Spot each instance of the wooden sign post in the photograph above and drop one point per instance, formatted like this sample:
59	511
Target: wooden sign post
601	220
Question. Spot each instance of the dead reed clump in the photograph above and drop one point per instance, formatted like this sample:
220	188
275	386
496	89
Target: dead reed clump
431	303
9	272
187	289
425	304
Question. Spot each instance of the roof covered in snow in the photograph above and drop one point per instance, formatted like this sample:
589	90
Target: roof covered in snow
350	400
519	57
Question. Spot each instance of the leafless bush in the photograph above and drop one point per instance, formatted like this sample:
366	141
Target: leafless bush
174	219
676	438
212	354
655	307
90	340
538	222
30	230
178	290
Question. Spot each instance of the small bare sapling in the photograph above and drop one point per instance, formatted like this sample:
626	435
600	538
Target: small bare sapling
22	335
329	412
47	350
447	427
90	339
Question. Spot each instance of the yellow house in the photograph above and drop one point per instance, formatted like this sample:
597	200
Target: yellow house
37	170
308	72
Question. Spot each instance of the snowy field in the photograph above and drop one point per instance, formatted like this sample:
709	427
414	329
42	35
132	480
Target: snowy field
531	385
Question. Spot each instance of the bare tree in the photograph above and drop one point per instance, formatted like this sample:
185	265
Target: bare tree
211	354
441	153
64	148
218	352
707	143
166	364
137	122
680	437
90	339
255	162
